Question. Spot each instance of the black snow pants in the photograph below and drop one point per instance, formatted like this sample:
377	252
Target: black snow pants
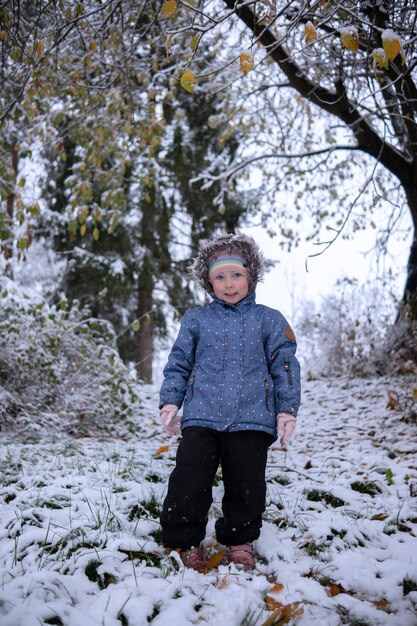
243	457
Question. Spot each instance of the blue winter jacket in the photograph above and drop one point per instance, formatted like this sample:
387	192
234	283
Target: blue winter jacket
233	367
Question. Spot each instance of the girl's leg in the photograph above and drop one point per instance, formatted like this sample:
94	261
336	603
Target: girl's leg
185	509
243	460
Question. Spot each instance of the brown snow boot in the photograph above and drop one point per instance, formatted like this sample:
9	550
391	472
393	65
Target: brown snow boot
241	555
194	559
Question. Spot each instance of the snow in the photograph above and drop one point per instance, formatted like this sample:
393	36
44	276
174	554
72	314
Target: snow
389	35
79	542
349	30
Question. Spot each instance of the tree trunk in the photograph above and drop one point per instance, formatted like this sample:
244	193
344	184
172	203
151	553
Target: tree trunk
144	345
10	203
408	307
409	301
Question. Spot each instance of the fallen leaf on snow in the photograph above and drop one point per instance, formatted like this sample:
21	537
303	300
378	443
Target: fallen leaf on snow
393	403
215	559
161	450
284	613
333	590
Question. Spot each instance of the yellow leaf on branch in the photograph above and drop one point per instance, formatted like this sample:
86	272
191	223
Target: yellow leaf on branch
194	42
380	58
246	62
310	32
350	38
169	8
187	81
391	43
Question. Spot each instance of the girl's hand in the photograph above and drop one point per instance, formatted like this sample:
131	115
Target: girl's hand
170	420
286	426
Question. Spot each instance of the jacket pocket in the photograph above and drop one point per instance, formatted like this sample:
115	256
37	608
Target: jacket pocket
287	368
190	390
266	386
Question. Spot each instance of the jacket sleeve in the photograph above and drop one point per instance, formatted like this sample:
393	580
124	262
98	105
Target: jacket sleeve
283	366
180	362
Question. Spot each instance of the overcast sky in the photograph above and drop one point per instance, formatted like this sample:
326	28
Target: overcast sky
289	281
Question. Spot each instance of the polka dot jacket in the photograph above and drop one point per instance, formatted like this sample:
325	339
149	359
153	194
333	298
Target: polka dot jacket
233	367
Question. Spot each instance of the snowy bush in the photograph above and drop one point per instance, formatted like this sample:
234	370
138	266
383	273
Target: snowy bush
59	371
349	333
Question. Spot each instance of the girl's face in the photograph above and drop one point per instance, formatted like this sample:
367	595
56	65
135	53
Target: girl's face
231	287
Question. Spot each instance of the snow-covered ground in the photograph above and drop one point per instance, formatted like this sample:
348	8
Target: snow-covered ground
79	531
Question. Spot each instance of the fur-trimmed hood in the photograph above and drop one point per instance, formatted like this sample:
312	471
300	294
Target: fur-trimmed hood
209	249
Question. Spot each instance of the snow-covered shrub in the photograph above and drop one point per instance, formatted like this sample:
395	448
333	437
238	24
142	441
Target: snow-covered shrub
347	334
59	371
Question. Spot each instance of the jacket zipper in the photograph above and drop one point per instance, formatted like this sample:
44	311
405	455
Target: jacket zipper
266	385
191	385
288	370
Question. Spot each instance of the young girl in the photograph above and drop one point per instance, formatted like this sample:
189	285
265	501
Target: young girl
233	369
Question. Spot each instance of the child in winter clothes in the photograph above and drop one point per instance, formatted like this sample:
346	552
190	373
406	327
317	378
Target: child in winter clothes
234	371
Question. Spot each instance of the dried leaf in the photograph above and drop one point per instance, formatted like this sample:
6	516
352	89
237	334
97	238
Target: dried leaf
246	62
381	604
380	58
393	403
187	81
310	32
224	582
22	244
168	44
3	35
161	450
169	8
333	590
415	393
350	38
272	604
194	42
391	43
96	233
284	614
215	559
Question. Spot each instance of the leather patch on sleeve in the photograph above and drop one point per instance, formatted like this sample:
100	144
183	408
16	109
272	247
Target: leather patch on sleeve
289	333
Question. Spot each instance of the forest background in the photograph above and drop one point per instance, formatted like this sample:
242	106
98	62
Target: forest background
130	131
